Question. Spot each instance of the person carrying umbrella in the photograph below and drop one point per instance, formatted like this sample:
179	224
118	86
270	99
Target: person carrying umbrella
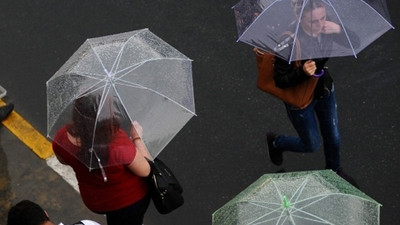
315	31
123	194
99	96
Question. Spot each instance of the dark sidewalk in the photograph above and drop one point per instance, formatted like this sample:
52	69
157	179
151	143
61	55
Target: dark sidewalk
222	150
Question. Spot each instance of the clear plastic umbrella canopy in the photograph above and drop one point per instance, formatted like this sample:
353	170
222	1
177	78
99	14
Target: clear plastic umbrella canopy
299	198
133	76
305	29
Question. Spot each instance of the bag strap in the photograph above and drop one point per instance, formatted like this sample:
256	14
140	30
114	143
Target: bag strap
261	54
298	49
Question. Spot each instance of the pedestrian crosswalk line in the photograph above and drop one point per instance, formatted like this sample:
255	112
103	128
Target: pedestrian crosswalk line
66	172
28	134
39	144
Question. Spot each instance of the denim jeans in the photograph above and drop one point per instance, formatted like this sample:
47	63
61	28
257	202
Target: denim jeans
322	112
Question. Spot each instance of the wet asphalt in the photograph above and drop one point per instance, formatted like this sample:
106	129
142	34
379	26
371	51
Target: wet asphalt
222	150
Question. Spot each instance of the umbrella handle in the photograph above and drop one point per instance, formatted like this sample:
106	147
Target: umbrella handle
318	75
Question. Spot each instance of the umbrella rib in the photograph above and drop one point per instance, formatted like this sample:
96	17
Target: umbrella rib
293	210
260	219
134	66
259	203
317	199
123	104
135	85
98	57
322	196
129	68
282	216
93	85
317	219
80	95
311	217
256	203
290	212
93	76
277	190
118	58
66	105
90	75
106	89
299	190
296	195
278	218
280	197
296	31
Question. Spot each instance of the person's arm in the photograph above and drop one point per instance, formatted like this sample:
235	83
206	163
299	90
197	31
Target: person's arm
139	166
339	37
331	28
288	75
56	147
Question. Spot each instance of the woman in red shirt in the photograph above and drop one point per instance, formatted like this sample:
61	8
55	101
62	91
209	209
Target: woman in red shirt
120	189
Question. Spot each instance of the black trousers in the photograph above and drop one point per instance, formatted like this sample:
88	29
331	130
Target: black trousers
131	215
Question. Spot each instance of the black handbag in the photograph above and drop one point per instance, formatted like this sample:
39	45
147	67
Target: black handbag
166	191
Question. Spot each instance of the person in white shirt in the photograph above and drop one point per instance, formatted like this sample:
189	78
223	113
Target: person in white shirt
29	213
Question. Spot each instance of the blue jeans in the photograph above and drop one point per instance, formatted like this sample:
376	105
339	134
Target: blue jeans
305	121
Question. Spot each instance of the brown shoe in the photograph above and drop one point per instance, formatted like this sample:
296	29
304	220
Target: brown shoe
275	155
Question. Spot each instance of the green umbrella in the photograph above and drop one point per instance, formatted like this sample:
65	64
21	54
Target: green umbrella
311	197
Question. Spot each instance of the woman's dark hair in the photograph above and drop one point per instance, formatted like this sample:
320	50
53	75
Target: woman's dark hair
84	121
310	5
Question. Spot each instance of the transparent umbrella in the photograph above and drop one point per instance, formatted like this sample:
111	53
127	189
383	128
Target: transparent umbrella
304	29
133	76
311	197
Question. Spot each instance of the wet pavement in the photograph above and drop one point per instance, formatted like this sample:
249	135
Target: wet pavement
25	176
222	150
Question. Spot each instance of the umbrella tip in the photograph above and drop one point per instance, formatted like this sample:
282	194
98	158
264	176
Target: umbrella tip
286	203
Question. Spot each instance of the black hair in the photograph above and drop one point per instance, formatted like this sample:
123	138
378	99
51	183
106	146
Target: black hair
26	213
84	121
